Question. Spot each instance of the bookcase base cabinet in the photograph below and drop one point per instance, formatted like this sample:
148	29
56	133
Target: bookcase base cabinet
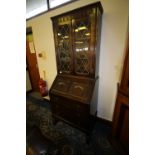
72	100
70	111
73	94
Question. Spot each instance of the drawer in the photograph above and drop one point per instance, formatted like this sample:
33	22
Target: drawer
70	111
62	85
70	104
69	114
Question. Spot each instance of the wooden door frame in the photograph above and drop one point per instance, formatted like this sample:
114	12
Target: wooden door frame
28	67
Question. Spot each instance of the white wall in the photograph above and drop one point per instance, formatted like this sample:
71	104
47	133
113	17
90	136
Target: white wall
114	30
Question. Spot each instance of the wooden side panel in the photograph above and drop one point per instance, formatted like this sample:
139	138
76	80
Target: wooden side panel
120	130
124	131
124	87
120	126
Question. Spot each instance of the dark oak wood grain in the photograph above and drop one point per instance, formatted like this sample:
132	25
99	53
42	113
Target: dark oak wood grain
73	94
70	98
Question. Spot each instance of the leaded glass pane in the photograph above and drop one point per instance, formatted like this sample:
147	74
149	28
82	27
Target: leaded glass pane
82	39
63	35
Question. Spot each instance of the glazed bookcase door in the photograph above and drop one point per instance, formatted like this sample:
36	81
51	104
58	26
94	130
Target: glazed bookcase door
81	44
63	46
77	41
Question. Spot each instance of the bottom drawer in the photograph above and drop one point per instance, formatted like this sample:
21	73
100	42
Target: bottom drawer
71	111
62	112
79	119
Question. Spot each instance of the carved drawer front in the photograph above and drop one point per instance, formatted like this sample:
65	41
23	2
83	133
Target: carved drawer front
73	88
79	89
62	85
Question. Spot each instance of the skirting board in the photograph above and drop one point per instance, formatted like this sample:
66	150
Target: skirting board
104	121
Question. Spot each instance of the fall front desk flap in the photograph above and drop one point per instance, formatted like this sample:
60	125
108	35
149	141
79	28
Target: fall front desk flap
72	87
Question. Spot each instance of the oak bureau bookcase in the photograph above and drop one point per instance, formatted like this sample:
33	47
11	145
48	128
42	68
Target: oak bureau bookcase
73	94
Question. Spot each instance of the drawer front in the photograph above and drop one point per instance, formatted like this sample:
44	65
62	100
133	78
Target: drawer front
70	110
71	105
61	112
